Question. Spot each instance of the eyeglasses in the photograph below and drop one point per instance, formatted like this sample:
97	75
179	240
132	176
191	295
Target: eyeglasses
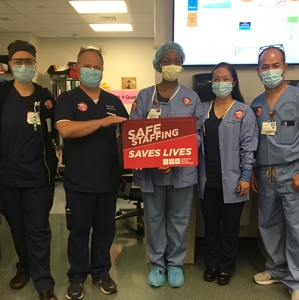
167	62
85	48
23	61
276	46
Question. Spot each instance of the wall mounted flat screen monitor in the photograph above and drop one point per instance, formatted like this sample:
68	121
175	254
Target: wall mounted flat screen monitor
293	82
211	31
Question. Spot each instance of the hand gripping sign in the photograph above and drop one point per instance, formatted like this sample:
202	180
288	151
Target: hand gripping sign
150	143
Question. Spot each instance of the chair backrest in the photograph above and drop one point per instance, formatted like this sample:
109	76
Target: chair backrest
128	190
202	85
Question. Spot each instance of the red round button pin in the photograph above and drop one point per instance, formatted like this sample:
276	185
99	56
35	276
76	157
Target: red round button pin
48	104
259	111
239	114
82	106
134	105
186	101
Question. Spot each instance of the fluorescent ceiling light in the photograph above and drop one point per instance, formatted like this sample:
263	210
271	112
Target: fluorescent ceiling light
88	7
111	27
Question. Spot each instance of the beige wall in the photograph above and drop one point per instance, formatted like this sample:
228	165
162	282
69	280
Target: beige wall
129	57
122	58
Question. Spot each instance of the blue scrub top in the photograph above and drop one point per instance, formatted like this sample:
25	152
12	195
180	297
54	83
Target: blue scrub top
238	139
175	107
283	146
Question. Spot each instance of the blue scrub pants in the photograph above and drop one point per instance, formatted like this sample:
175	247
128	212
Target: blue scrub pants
278	209
167	212
27	213
83	212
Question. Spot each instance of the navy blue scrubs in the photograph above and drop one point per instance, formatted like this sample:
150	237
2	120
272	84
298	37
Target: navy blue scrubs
26	195
92	178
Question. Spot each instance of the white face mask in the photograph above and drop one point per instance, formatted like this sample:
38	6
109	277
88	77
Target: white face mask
171	72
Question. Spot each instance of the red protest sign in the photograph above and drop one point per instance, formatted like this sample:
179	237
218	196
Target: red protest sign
149	143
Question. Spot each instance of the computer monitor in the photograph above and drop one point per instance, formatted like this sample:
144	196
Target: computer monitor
202	85
293	82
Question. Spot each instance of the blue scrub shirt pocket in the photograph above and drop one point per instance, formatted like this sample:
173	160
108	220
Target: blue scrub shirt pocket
185	110
187	174
235	162
285	134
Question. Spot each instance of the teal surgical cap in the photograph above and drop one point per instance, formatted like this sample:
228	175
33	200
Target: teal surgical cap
169	46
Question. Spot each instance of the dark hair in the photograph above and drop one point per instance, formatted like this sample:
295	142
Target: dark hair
20	45
271	47
236	93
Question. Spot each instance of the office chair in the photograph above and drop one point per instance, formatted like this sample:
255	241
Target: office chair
202	85
128	191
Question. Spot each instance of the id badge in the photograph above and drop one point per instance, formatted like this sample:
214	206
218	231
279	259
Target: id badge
30	118
268	128
154	113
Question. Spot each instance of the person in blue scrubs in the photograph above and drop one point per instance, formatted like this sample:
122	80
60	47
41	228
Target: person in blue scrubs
167	192
87	118
277	173
28	166
226	157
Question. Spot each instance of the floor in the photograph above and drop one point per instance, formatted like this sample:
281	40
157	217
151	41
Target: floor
130	271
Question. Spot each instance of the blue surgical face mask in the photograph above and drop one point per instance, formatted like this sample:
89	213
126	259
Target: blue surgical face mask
271	78
222	89
90	77
23	73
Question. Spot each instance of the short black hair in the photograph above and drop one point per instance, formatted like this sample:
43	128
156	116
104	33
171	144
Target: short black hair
20	45
236	93
280	50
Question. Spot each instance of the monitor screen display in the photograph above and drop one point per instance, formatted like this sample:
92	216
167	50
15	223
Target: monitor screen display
211	31
293	82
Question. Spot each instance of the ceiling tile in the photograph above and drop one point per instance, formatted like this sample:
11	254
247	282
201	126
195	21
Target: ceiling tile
45	34
68	27
141	5
81	34
143	17
6	9
16	19
56	18
41	7
24	28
